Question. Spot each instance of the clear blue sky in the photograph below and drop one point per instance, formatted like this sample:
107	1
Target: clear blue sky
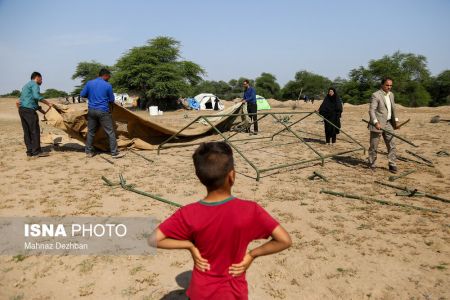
228	38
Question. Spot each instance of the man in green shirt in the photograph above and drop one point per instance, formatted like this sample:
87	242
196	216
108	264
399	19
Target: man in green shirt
28	105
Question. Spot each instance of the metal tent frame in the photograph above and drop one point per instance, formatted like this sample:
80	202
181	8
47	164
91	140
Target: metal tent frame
260	116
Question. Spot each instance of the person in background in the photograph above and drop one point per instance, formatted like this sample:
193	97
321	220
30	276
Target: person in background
28	105
250	99
382	116
100	95
331	109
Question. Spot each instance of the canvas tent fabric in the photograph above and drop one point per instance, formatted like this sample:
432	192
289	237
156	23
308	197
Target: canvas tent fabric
262	103
209	101
132	131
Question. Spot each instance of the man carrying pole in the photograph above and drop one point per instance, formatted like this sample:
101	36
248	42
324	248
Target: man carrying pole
382	116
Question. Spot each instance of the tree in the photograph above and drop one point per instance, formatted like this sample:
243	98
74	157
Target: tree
219	88
237	89
266	85
14	93
348	90
307	83
156	73
53	93
408	71
439	89
85	71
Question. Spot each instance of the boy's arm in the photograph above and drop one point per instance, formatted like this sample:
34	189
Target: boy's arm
280	241
158	240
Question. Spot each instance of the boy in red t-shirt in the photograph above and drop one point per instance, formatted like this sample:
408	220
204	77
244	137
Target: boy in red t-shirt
218	229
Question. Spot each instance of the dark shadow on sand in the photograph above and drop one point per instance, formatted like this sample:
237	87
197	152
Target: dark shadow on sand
182	280
350	161
69	147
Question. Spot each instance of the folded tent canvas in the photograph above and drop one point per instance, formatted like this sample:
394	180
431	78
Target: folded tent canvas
133	131
209	102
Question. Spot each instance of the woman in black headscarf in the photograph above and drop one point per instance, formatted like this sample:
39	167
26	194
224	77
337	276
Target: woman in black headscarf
331	109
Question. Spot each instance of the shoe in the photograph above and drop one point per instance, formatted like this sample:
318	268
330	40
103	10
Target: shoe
41	154
255	133
393	169
118	155
90	155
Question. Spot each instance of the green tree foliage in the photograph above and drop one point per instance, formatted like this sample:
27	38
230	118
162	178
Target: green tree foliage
439	89
224	90
237	89
85	71
53	93
156	73
306	83
266	85
408	71
14	93
219	88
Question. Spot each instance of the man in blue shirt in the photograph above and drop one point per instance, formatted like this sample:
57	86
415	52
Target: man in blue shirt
100	94
250	99
28	105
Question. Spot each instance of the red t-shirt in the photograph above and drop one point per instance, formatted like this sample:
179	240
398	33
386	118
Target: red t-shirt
221	231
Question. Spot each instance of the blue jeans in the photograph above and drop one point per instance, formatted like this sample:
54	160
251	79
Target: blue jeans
96	118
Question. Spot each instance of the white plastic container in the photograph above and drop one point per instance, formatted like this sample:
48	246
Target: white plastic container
153	110
160	112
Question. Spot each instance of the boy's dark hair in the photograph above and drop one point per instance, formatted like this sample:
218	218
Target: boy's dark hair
384	79
246	81
35	74
104	72
212	162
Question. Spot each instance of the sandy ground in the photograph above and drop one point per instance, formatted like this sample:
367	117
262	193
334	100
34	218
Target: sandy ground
342	248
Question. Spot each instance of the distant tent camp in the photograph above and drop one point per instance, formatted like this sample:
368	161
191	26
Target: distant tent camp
209	101
262	103
193	104
122	99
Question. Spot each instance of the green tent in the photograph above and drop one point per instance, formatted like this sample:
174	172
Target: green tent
262	103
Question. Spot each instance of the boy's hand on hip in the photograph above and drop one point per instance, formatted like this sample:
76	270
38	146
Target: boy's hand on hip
240	268
199	262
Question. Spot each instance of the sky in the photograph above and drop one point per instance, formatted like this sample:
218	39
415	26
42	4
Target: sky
229	39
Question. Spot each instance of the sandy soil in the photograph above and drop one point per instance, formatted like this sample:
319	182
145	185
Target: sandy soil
343	248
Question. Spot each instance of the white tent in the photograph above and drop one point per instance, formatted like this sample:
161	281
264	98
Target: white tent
209	101
122	98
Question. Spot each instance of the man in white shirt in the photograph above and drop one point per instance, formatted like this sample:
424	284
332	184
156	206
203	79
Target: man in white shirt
382	115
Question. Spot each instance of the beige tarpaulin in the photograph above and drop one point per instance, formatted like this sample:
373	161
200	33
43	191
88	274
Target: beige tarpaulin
132	130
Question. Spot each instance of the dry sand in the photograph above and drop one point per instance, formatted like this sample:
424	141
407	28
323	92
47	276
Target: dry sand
342	248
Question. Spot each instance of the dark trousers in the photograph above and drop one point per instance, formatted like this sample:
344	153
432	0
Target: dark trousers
251	109
31	130
96	118
330	137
